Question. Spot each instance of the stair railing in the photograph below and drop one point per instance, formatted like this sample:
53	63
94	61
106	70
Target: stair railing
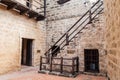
71	33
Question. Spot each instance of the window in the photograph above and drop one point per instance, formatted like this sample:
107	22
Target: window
28	3
62	1
91	60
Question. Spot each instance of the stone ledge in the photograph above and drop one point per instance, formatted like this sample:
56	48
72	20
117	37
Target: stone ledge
94	74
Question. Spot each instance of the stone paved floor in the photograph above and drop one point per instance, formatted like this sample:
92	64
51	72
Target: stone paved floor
31	74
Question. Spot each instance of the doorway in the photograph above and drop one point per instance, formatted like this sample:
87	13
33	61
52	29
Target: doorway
55	50
26	56
91	60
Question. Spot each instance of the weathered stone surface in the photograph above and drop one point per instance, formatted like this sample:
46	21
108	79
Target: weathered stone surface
112	14
70	51
14	27
61	17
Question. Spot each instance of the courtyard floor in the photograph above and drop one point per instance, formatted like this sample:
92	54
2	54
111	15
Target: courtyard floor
31	73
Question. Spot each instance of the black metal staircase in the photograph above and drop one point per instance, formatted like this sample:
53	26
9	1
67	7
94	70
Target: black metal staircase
76	29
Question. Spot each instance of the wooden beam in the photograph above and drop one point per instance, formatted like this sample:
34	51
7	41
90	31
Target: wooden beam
23	12
11	6
31	16
40	18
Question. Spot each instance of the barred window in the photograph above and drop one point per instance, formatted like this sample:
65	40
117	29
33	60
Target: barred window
62	1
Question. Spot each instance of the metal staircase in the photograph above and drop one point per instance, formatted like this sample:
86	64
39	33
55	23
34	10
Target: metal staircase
77	28
72	33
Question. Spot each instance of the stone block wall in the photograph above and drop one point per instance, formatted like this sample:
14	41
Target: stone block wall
90	38
70	9
112	14
61	17
14	27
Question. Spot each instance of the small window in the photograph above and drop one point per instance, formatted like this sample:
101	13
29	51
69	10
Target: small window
28	3
91	60
62	1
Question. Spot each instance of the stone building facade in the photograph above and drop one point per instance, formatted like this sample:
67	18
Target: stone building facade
14	29
18	31
112	14
60	17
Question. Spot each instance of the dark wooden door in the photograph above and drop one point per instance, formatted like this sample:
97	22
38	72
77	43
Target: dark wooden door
26	57
29	53
91	60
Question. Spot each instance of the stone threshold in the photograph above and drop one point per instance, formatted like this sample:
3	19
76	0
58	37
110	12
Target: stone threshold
64	74
94	74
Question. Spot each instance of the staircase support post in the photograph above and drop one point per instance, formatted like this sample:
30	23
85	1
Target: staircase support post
40	62
73	72
90	16
61	65
45	8
77	66
67	39
50	62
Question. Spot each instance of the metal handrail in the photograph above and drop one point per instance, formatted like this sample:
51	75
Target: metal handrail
86	24
83	27
74	64
86	19
81	19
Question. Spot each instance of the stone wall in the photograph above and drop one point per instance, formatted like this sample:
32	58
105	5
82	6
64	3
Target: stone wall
90	38
71	9
112	14
14	27
61	17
